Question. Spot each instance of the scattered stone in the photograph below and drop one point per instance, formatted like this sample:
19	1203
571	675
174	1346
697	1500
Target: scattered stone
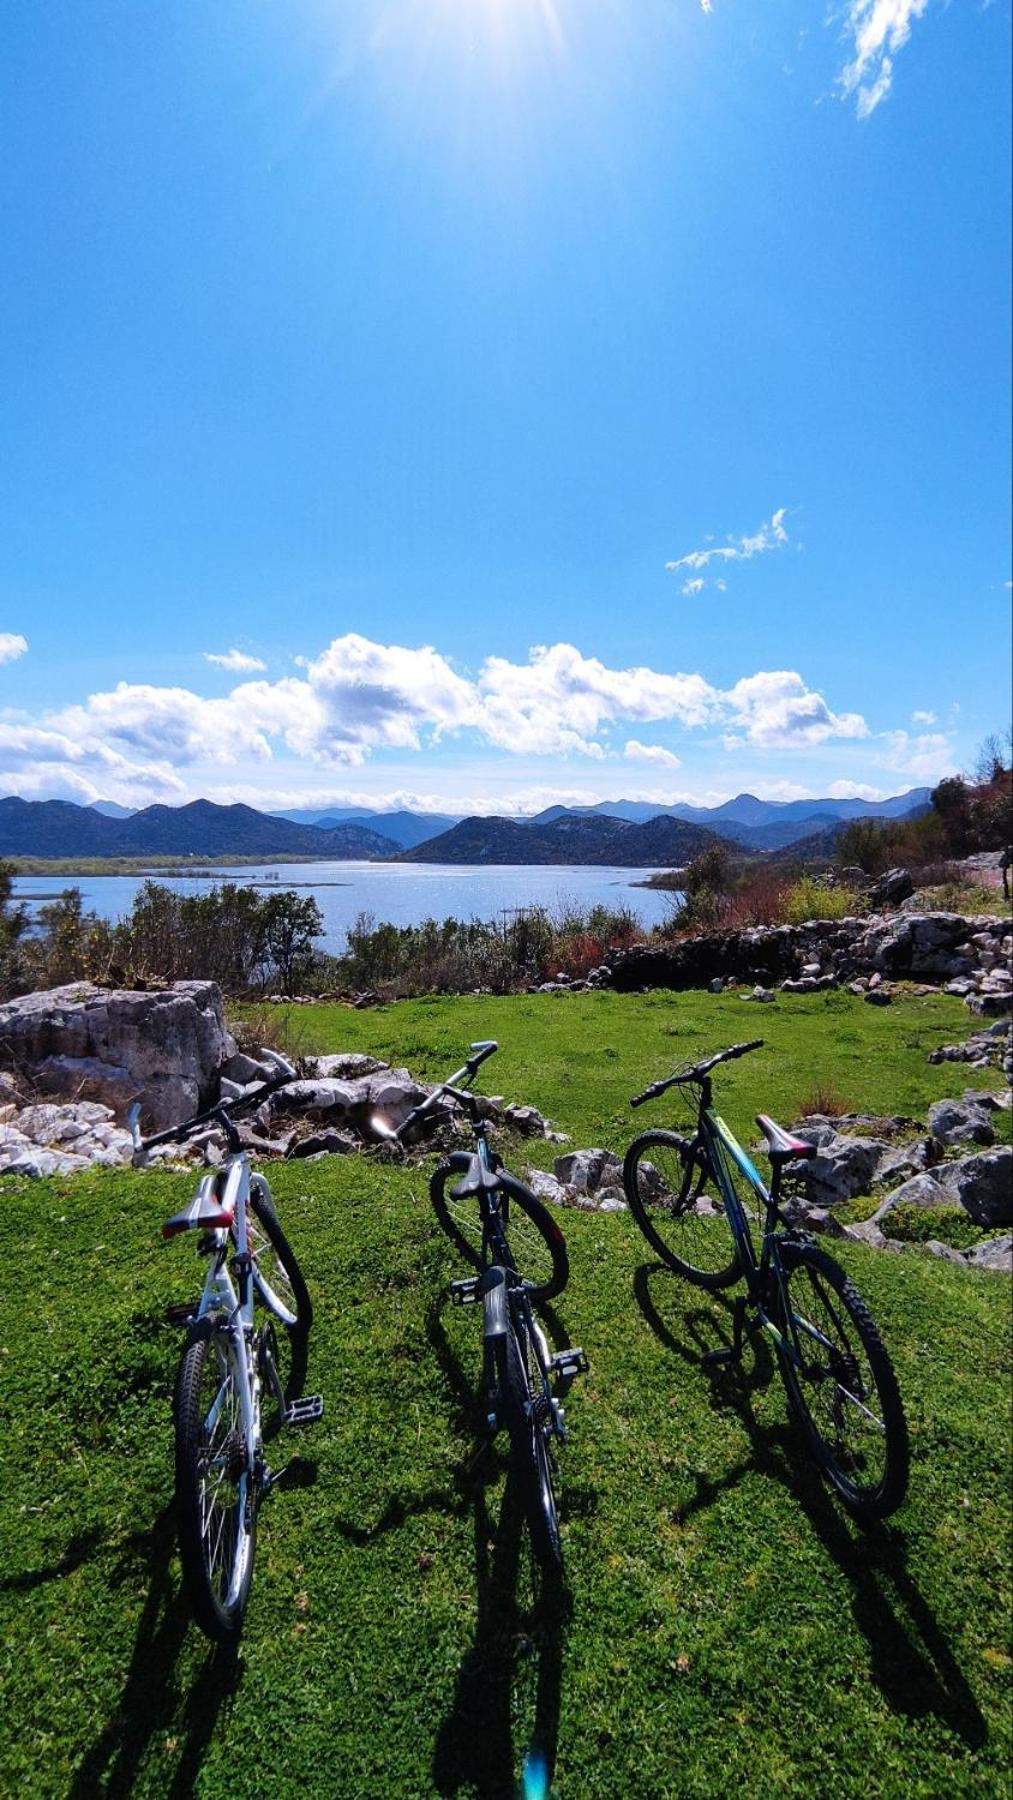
960	1122
716	986
587	1170
983	1185
546	1187
920	1190
762	994
945	1252
880	996
329	1141
893	887
994	1253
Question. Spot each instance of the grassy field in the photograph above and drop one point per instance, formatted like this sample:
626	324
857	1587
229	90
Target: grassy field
724	1624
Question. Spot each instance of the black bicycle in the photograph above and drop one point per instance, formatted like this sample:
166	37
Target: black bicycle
502	1229
686	1193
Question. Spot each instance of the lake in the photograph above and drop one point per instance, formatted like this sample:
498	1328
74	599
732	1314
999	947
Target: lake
404	893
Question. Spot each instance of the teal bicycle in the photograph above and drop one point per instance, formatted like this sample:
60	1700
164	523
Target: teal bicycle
687	1194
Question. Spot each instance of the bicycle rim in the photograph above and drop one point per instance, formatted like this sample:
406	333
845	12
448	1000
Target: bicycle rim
675	1201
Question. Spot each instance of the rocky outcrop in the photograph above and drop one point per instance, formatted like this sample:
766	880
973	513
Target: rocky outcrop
972	955
49	1139
590	1180
164	1047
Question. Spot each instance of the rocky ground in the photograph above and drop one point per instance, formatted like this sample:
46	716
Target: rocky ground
79	1054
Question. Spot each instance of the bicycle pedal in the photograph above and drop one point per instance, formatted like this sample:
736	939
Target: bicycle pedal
465	1293
568	1363
305	1411
180	1314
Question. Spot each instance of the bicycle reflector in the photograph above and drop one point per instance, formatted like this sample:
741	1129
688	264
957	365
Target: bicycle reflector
204	1213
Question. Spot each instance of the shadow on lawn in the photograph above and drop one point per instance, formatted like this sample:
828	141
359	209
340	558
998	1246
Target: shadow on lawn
911	1659
149	1702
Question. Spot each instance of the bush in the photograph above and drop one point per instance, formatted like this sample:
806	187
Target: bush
809	898
948	1224
826	1100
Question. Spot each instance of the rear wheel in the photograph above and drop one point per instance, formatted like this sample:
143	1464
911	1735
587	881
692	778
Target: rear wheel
842	1390
534	1245
523	1412
216	1495
677	1204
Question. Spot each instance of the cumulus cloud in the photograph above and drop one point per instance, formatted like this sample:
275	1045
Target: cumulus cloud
923	718
772	535
236	661
774	710
12	645
651	753
926	755
359	698
877	29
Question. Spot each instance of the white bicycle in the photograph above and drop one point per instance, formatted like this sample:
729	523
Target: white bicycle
244	1360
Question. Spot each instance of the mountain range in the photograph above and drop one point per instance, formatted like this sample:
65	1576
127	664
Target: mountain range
633	832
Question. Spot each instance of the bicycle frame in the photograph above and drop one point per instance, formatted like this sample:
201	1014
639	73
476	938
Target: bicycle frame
719	1144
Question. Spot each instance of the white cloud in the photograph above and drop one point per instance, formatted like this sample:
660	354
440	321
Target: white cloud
776	711
771	536
651	753
559	699
12	645
236	661
926	756
923	718
877	30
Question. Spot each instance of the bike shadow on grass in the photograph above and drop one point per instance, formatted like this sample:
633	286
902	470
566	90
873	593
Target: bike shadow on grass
500	1734
911	1658
148	1704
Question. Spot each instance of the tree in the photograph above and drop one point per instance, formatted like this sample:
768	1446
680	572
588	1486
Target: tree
15	922
291	922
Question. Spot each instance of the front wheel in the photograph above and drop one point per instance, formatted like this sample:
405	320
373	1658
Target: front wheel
216	1495
522	1409
678	1206
840	1384
533	1244
279	1286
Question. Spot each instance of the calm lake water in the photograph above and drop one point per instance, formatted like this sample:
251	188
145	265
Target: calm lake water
404	893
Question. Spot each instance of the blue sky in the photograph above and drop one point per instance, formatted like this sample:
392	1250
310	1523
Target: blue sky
520	399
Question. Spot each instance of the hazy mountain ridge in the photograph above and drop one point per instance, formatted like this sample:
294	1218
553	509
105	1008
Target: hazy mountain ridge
57	828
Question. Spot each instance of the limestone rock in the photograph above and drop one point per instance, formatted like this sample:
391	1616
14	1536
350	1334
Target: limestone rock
983	1185
994	1253
960	1122
163	1047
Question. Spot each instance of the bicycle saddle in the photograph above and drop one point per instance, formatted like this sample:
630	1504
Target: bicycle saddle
476	1181
781	1146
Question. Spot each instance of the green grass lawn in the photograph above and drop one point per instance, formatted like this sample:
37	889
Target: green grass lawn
724	1625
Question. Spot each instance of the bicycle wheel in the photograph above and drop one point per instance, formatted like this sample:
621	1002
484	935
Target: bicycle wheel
215	1495
527	1423
676	1202
280	1287
845	1395
533	1243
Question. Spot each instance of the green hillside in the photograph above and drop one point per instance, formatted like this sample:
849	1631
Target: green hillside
726	1626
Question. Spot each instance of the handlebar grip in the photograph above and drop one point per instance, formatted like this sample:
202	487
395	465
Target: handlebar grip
638	1099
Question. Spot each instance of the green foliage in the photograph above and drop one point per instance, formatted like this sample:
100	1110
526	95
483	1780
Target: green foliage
947	1224
453	955
809	898
725	1626
14	923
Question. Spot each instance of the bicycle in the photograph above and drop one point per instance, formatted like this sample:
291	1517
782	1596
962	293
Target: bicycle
839	1380
518	1369
245	1351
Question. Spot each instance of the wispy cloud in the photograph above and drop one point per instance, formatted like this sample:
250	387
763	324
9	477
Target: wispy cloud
772	535
923	718
12	645
651	753
236	661
877	30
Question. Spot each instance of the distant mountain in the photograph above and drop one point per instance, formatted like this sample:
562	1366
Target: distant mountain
573	838
57	828
407	828
112	809
745	819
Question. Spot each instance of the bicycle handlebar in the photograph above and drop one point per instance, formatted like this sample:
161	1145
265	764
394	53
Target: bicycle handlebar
698	1072
486	1047
213	1114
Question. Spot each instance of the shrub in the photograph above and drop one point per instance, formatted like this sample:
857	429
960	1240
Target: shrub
824	1099
809	898
948	1224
